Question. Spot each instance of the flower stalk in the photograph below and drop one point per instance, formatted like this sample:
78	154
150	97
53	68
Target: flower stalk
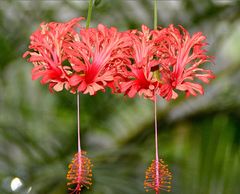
90	6
89	16
158	177
155	97
80	170
155	14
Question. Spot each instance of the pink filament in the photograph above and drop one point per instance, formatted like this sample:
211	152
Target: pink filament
78	121
156	142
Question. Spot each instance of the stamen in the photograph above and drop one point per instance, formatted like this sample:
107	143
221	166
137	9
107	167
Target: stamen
158	177
80	173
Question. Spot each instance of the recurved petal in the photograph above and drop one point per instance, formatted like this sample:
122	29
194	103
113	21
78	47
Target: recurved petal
192	88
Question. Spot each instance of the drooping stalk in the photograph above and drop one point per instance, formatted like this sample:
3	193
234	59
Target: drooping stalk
78	122
80	169
155	112
90	5
155	14
158	177
155	97
156	139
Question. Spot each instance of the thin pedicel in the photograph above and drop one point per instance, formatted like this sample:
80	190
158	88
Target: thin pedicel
80	169
158	177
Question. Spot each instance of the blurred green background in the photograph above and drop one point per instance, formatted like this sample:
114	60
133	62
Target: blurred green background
199	137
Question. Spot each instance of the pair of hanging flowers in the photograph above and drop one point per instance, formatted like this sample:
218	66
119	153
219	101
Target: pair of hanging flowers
163	61
146	63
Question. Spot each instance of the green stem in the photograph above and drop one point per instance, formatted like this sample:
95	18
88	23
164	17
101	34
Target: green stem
90	6
155	14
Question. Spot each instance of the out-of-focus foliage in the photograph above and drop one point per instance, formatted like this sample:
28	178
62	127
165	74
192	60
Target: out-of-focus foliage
199	137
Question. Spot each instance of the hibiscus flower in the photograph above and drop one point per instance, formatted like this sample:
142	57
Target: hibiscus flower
95	56
138	75
47	53
165	61
181	56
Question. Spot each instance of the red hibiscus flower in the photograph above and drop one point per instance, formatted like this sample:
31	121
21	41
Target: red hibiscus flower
180	58
47	53
164	61
94	57
138	75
